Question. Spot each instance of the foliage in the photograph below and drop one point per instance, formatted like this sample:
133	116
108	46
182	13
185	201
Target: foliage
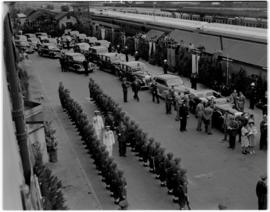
50	187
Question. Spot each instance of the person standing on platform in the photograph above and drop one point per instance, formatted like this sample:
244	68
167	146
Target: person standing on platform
165	67
183	115
135	88
232	131
261	191
98	124
125	90
241	102
193	80
108	140
168	103
126	53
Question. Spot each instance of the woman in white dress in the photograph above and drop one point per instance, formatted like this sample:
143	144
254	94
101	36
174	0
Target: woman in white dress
108	140
251	136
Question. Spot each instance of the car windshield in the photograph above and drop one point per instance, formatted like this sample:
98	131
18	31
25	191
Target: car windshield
79	58
175	82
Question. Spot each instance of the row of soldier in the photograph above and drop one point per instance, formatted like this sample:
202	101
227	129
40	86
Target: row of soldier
166	168
113	177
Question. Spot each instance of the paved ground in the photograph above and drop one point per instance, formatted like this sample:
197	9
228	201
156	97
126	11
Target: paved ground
216	174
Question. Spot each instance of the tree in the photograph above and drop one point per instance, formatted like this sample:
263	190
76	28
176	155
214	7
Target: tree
64	8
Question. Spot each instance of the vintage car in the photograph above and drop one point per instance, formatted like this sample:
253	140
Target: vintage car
34	42
219	112
41	34
82	48
204	95
24	46
75	62
74	34
30	35
108	61
20	38
102	43
50	50
94	51
135	70
81	37
166	81
90	40
64	41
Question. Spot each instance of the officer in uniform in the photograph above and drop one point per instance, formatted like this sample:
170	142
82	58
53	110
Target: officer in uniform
183	115
199	114
122	140
165	66
125	90
137	56
207	116
154	91
168	102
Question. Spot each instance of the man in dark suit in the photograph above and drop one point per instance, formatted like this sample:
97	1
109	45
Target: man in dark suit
125	90
261	191
183	115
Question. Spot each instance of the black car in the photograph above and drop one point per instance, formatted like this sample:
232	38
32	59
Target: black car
49	50
75	61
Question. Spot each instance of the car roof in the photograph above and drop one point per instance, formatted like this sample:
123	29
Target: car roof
109	54
133	63
83	43
98	47
167	76
73	54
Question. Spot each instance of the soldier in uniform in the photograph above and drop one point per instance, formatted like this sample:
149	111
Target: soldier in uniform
183	115
232	130
207	116
165	66
137	56
125	90
108	140
122	140
154	91
168	102
199	114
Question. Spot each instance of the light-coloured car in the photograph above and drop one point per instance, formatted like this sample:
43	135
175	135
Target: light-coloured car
102	43
34	42
30	35
109	61
81	37
94	51
49	49
81	48
90	40
167	81
24	46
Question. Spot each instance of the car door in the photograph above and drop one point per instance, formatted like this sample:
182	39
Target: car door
162	86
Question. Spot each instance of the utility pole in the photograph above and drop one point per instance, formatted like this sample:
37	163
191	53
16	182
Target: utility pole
17	99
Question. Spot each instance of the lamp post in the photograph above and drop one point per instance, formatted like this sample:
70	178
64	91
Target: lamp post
227	68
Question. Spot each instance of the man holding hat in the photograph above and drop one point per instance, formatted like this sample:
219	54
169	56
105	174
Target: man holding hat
98	124
108	140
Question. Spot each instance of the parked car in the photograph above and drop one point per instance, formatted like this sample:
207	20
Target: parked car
24	46
82	48
65	39
34	42
43	39
102	43
81	37
204	95
74	34
50	50
75	60
41	34
166	81
219	112
135	69
30	35
20	38
108	61
94	51
90	40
